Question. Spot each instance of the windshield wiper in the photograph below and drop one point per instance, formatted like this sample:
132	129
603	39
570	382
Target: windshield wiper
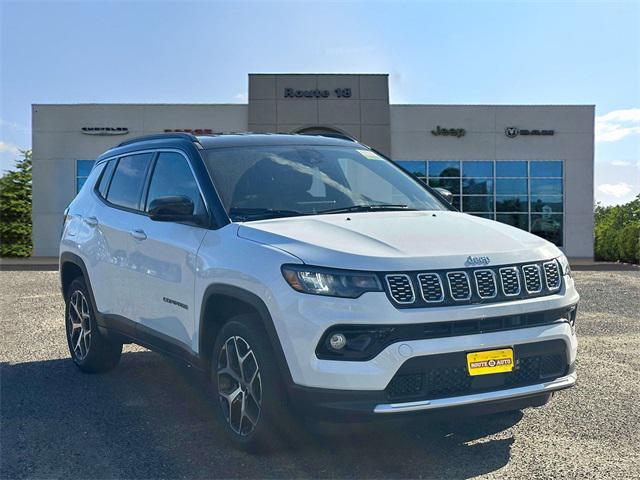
366	208
243	214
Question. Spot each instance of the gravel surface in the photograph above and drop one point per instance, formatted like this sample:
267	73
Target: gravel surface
152	418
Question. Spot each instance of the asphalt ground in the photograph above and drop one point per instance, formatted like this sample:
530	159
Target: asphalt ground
152	418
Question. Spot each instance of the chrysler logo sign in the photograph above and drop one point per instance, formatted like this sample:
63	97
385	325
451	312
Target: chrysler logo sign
105	130
513	132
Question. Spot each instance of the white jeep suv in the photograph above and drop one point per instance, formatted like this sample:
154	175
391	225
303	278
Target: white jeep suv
311	275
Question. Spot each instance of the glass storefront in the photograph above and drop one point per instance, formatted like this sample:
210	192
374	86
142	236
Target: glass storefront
83	168
527	194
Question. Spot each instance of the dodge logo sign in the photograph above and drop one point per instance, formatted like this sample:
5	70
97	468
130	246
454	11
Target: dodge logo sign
475	261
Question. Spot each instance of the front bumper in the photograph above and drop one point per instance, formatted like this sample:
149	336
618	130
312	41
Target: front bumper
478	398
358	406
302	320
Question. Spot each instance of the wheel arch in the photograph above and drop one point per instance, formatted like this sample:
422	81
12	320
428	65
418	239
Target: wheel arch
71	267
222	302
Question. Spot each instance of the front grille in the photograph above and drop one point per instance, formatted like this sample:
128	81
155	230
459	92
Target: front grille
431	287
510	279
552	275
403	385
532	278
472	285
445	375
459	286
486	283
401	288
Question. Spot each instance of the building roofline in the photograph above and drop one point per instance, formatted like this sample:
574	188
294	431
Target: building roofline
102	104
492	105
316	73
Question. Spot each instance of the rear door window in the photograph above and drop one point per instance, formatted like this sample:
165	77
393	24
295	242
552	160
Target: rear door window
128	181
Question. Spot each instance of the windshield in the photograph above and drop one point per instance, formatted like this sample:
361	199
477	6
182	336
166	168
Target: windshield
255	183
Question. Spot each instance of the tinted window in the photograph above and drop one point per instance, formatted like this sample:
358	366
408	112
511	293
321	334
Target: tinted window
444	169
83	168
477	169
106	176
172	176
511	185
546	186
546	169
511	169
128	180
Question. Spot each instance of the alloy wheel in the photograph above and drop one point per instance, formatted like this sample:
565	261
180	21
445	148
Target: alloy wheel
239	385
79	325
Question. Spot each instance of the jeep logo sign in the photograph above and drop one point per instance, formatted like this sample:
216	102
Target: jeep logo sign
452	132
475	261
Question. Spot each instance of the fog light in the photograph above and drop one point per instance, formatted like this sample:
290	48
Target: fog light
337	341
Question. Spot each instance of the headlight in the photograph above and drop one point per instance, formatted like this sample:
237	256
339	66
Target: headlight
330	282
565	268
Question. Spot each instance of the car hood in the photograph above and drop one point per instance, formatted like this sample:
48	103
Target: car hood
388	241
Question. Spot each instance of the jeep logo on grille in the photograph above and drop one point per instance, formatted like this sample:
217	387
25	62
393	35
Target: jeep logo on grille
474	261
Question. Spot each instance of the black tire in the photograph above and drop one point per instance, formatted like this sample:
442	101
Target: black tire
263	380
92	353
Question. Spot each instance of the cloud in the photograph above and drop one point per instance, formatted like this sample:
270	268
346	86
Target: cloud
618	124
9	148
617	190
621	163
241	97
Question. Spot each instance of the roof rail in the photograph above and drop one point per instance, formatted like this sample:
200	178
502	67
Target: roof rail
161	136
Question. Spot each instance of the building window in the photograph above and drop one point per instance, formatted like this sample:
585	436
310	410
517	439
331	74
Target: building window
526	194
83	168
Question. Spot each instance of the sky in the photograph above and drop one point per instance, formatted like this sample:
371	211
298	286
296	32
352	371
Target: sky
499	52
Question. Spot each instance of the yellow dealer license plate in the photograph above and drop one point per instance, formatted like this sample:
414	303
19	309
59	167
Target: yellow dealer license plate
491	361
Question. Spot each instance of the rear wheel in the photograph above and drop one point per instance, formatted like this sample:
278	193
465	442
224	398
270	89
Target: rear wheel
252	403
90	351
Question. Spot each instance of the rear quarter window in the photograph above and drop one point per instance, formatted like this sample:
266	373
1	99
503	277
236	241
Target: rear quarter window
103	184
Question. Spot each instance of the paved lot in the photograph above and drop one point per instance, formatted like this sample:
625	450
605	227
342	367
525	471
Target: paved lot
151	418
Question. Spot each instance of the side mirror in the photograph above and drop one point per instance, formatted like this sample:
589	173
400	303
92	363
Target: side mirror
446	194
171	209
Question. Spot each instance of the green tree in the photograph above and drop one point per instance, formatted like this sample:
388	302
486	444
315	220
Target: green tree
15	209
617	232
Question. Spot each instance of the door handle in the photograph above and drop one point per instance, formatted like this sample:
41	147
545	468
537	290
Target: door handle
91	221
138	234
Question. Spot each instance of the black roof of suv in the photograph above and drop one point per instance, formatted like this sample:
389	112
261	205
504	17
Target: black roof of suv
224	140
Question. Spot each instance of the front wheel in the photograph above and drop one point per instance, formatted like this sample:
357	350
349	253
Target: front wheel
90	351
252	403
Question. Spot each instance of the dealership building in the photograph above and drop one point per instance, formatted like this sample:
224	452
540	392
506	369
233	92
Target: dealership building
530	166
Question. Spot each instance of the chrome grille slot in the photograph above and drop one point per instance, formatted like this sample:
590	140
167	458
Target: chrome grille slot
431	287
510	281
551	275
532	278
401	288
459	286
486	283
471	285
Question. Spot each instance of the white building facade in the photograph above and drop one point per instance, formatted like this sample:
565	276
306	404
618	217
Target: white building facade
528	166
